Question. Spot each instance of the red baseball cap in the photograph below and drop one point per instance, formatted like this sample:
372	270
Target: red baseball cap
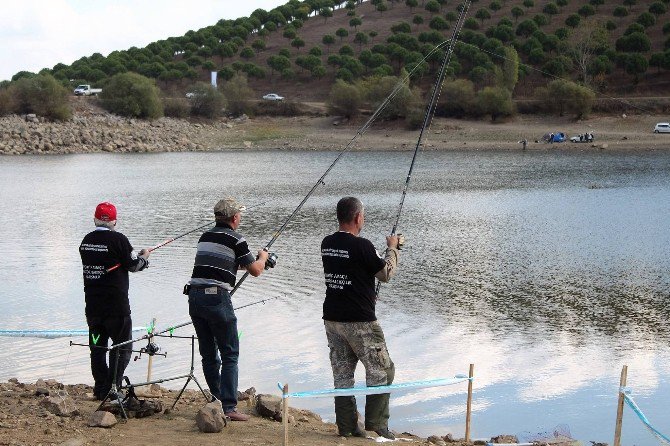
105	212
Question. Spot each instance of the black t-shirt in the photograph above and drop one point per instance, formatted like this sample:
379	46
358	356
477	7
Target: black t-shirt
106	292
349	266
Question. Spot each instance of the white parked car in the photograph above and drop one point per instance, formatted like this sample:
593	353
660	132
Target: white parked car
662	127
273	97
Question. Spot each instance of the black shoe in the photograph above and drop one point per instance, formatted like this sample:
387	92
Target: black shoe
385	432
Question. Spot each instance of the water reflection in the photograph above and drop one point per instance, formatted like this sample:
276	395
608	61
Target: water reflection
546	270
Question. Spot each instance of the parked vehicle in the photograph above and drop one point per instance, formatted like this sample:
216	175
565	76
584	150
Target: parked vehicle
554	137
273	97
662	127
86	90
585	137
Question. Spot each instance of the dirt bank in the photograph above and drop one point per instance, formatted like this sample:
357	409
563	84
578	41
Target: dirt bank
25	419
93	130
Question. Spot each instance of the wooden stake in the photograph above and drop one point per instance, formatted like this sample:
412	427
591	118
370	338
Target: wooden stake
468	411
619	409
284	416
151	358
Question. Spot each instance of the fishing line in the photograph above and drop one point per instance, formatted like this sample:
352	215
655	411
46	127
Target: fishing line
359	133
430	112
168	241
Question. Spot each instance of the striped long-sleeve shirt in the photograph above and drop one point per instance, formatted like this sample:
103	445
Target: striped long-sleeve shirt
220	252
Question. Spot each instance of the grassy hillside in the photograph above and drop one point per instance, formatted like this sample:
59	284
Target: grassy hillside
618	47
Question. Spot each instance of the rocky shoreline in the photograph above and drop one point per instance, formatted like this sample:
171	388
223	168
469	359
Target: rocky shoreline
92	130
49	413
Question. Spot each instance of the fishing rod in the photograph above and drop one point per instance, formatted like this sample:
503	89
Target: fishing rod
320	181
430	113
168	241
172	328
360	132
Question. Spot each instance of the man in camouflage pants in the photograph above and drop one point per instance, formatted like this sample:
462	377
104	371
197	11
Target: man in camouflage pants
350	266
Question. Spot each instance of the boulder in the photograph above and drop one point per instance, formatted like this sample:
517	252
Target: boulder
505	439
61	406
210	419
269	406
101	418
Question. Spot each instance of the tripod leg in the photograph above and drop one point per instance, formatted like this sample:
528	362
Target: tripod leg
207	397
182	390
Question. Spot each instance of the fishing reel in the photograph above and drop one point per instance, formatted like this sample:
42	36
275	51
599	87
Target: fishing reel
271	260
401	240
151	349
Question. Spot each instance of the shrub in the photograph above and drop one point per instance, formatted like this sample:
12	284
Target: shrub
376	89
176	107
344	99
133	95
206	101
41	94
562	96
458	99
495	101
6	103
646	19
237	94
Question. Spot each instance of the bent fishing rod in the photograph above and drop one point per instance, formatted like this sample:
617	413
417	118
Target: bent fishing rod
168	241
360	132
429	113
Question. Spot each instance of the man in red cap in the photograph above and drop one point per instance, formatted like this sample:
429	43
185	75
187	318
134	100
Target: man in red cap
107	256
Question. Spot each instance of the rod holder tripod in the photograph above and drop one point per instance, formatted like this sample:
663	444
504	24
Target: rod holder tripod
190	376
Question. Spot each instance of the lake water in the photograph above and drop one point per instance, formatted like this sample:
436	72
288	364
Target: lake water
547	270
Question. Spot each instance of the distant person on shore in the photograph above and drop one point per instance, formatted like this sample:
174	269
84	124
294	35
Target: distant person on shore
106	257
221	252
350	266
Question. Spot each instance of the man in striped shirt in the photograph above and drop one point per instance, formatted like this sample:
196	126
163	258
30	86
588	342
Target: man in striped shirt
221	252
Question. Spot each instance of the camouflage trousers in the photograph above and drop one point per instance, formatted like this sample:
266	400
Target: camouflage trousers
349	343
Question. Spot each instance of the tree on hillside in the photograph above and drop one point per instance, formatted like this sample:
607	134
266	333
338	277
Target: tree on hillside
328	40
417	20
372	35
411	4
483	14
297	43
247	53
326	13
585	43
258	45
361	39
278	63
508	76
438	23
516	13
289	33
382	7
586	11
646	19
355	22
401	27
341	33
432	6
528	3
658	8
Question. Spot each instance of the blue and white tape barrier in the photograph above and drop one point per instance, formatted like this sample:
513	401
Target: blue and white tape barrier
50	334
375	390
631	403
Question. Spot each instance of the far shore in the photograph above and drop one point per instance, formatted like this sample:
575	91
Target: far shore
93	131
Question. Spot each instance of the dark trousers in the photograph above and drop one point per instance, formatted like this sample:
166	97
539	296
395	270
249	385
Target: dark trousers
215	325
100	331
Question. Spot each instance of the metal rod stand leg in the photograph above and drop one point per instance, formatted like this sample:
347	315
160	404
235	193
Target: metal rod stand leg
114	393
191	376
